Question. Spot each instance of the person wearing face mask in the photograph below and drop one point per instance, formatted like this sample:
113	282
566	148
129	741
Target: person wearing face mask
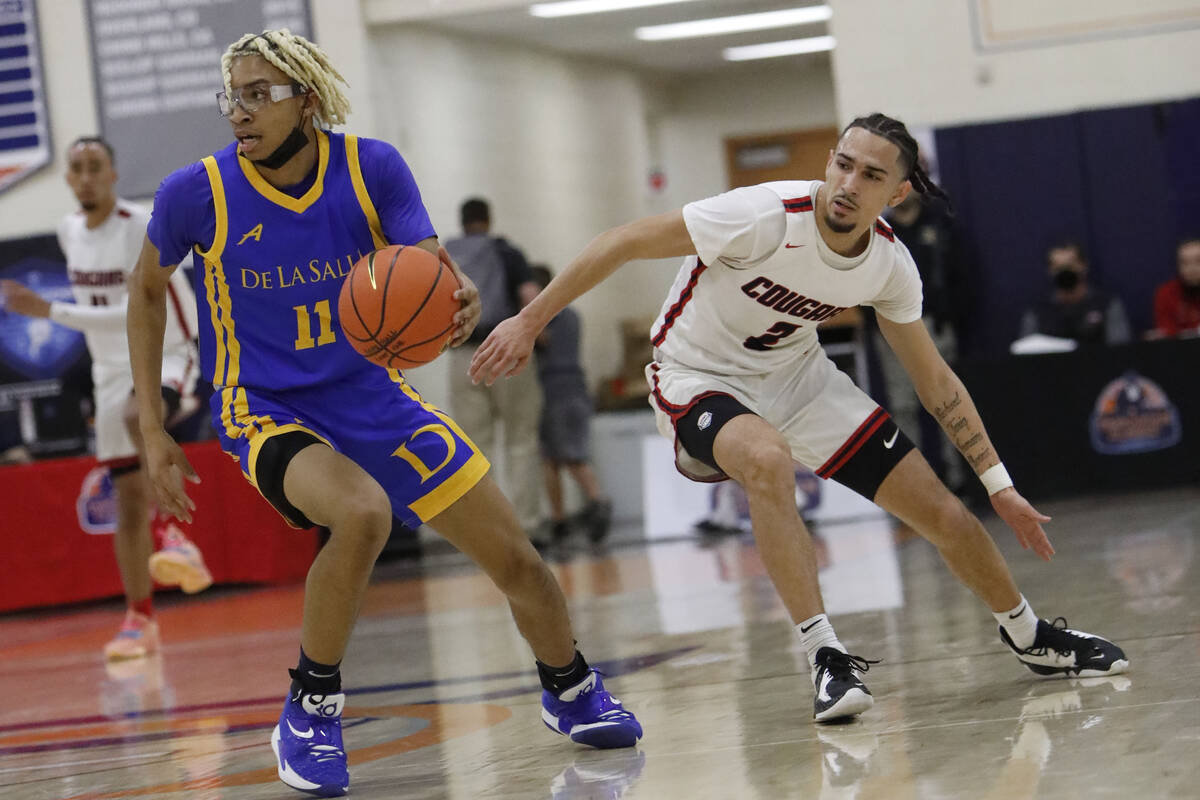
1177	302
1075	309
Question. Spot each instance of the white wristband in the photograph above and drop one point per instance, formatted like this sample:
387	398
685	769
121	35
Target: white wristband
995	479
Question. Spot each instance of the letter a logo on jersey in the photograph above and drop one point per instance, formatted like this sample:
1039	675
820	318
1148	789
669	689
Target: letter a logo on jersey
256	232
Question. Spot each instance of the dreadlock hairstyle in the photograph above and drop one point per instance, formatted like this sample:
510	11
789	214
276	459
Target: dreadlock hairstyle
300	60
894	131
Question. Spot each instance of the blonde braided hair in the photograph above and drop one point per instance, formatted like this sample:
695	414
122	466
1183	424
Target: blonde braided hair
300	60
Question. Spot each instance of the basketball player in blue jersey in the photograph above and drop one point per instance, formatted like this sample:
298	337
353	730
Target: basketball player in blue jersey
278	218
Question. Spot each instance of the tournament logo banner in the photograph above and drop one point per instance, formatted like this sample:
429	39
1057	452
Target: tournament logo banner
35	347
96	506
1134	415
24	134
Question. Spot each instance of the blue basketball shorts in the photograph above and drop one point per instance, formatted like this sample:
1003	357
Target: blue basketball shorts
417	453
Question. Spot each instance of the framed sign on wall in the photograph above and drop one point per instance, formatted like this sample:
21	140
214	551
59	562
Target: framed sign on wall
24	129
157	69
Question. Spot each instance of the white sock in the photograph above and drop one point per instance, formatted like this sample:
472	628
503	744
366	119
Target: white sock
815	633
1019	623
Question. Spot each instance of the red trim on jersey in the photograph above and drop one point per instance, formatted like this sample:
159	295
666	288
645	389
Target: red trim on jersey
123	461
883	230
123	213
852	445
677	309
187	334
673	411
795	205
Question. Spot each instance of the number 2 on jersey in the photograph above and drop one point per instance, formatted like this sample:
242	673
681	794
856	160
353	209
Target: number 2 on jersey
304	339
771	338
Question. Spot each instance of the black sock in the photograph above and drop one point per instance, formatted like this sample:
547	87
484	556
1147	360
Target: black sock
557	679
311	677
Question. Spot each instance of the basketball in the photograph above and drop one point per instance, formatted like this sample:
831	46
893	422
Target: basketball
397	306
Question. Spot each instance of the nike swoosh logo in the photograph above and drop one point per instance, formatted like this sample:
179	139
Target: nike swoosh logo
321	675
810	627
823	693
789	246
888	444
1020	611
308	734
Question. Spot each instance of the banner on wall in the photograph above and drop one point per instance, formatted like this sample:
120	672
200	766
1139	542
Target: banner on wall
1023	24
24	131
157	69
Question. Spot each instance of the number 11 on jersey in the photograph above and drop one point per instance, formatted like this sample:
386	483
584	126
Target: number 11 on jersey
304	339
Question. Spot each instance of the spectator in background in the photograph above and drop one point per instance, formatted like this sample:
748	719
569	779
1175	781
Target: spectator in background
1075	309
1177	302
566	418
941	254
514	407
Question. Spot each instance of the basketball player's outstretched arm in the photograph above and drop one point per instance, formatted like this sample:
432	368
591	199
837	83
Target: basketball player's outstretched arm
22	300
945	397
506	350
166	466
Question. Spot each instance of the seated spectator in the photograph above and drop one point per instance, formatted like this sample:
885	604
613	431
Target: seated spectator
566	418
1075	309
1177	302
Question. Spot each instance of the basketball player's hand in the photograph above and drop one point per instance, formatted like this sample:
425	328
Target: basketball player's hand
505	351
467	317
1025	520
18	298
167	467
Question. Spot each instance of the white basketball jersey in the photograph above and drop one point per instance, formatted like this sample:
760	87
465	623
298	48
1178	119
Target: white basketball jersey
750	302
99	261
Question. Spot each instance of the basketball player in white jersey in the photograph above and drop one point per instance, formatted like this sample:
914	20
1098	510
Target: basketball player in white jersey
741	384
102	241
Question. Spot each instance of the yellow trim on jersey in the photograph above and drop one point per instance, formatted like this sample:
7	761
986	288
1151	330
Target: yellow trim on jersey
222	219
297	204
216	292
360	191
461	481
458	484
257	440
413	394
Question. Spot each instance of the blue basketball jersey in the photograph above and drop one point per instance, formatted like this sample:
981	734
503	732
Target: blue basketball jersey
277	263
270	339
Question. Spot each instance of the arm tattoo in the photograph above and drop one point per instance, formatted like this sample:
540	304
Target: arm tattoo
969	443
982	458
950	405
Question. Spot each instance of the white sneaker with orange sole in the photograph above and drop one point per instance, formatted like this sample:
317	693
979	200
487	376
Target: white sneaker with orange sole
179	563
137	638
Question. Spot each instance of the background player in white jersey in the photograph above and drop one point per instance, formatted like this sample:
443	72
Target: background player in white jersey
740	382
101	242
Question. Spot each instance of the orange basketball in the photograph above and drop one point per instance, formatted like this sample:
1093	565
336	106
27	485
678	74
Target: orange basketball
397	306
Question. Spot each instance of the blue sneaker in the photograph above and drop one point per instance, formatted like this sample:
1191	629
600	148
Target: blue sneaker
308	744
587	714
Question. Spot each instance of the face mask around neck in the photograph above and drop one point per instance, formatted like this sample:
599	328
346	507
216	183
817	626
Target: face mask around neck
287	150
1066	279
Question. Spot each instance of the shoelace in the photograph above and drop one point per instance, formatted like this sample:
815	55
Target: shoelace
839	662
1062	641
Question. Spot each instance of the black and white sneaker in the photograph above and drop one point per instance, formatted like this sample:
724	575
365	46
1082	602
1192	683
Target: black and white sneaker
840	692
1059	652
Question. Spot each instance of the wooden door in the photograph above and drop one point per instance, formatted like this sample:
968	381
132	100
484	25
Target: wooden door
789	155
